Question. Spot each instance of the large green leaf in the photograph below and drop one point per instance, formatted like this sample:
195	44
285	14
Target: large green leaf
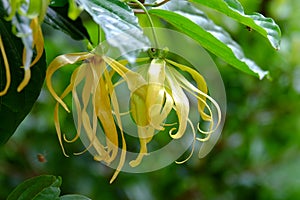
57	17
232	8
119	24
195	24
14	106
73	197
45	187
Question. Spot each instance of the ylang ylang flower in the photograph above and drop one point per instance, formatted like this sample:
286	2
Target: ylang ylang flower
156	89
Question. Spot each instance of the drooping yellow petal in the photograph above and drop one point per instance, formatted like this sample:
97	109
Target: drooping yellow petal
201	84
155	91
83	74
77	77
38	39
145	135
139	112
7	70
138	108
156	72
138	87
193	144
56	109
198	93
116	112
56	64
26	79
150	106
103	111
89	119
181	102
133	79
143	147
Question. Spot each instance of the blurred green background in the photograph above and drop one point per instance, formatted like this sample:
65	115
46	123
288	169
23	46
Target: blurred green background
257	156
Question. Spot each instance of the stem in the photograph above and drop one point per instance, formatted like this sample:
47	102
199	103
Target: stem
157	4
99	35
150	21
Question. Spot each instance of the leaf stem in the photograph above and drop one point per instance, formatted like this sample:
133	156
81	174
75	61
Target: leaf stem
150	21
155	4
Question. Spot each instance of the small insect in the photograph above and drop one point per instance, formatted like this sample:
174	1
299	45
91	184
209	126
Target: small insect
41	158
249	28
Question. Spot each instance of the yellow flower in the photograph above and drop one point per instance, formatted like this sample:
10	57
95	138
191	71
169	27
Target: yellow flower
97	90
164	90
35	13
153	95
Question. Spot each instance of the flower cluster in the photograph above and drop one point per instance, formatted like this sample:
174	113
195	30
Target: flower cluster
156	89
26	18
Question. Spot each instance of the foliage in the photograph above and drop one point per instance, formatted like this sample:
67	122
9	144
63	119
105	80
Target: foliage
41	187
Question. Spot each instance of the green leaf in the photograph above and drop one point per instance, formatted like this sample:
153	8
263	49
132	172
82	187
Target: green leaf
45	187
14	106
232	8
73	197
119	24
196	25
57	17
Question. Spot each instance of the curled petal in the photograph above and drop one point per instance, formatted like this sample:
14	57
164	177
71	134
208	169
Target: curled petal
201	84
193	144
115	105
38	39
181	102
77	77
56	110
7	70
26	79
143	147
103	111
198	93
26	59
56	64
145	135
